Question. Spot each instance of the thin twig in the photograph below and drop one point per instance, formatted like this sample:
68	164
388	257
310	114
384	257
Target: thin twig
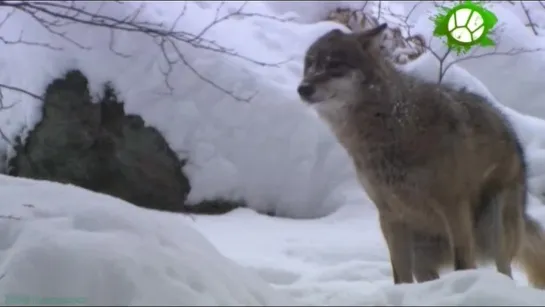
442	58
531	23
55	16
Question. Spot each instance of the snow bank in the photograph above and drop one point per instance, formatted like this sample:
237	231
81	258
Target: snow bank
272	153
516	79
473	288
504	80
66	244
531	130
63	243
342	260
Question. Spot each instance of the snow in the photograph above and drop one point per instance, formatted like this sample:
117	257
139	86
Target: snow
492	77
507	76
528	67
342	260
230	155
272	152
100	250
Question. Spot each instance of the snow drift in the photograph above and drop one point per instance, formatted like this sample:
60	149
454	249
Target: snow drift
61	242
342	260
65	244
464	289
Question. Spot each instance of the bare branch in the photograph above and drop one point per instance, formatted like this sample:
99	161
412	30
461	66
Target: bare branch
510	52
531	23
4	107
442	68
364	5
410	13
55	16
442	57
20	40
20	90
10	217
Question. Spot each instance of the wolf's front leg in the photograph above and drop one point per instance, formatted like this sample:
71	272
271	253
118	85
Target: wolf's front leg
430	253
400	246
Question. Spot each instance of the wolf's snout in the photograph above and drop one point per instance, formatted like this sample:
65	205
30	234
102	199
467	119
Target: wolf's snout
306	90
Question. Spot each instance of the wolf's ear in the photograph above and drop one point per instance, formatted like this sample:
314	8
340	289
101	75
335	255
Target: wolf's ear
330	35
372	37
334	32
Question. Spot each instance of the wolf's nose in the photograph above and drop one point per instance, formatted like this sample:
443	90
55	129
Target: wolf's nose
305	90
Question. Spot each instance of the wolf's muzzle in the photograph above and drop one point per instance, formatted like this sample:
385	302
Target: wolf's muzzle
306	90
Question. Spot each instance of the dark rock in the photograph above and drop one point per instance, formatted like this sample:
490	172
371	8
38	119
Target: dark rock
98	147
214	207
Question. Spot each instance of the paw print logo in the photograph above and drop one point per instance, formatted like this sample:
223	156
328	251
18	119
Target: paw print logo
464	26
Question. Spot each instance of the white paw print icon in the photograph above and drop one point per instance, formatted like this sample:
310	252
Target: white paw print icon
466	25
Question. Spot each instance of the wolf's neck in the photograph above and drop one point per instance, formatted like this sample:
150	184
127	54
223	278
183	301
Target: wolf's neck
373	119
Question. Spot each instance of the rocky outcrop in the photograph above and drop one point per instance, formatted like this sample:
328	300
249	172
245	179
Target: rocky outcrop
95	145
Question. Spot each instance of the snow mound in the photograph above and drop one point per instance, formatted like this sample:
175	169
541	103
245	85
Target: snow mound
63	243
513	71
342	260
471	288
529	129
523	93
272	153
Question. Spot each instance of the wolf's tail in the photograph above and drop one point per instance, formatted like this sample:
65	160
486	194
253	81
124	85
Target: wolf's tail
532	252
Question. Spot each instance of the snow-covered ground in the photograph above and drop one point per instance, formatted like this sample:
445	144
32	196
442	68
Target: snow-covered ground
64	243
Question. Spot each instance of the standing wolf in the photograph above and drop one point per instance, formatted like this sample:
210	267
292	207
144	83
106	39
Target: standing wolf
443	167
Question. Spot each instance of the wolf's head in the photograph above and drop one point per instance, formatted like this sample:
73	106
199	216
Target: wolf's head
337	64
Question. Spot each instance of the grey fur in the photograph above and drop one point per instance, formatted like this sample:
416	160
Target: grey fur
443	166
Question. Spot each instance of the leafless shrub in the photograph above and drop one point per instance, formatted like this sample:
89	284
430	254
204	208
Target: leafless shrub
403	49
399	49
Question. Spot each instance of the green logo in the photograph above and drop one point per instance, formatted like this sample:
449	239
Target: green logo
31	300
465	26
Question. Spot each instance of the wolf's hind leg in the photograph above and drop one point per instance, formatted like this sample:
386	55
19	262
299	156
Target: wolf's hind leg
501	226
459	222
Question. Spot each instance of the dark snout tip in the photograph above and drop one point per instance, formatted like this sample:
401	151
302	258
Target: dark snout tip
305	90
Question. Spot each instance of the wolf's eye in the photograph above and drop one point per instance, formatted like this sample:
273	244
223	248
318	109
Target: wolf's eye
335	64
309	60
336	68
